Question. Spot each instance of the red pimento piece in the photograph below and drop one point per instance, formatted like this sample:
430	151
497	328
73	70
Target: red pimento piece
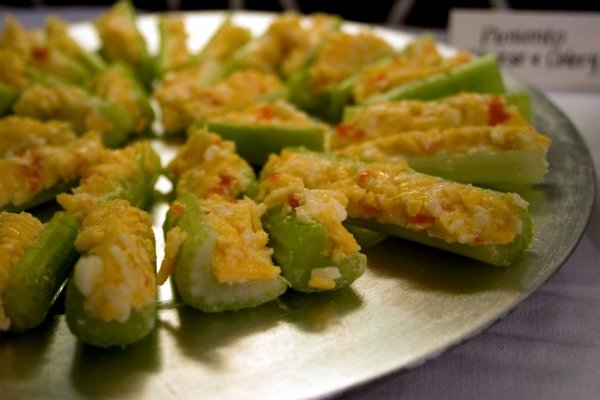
363	178
293	201
224	185
368	209
32	171
349	130
422	219
40	53
177	209
497	114
264	113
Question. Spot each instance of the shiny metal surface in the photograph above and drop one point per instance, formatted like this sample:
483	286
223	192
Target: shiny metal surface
412	304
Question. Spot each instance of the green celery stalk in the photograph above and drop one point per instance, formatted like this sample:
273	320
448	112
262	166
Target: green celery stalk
117	85
316	168
522	101
499	255
102	333
114	260
135	53
507	168
255	142
8	95
57	36
36	279
328	105
173	51
298	249
481	75
193	277
42	197
23	187
75	105
136	186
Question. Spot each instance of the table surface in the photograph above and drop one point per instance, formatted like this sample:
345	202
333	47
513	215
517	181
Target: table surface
546	348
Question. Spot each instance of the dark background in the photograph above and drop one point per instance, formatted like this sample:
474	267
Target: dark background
425	13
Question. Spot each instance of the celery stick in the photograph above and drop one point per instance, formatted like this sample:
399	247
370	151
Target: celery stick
499	255
112	298
518	167
36	279
193	274
490	226
299	250
481	75
122	41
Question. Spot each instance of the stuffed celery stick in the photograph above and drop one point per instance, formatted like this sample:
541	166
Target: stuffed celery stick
18	134
266	128
37	175
111	298
216	250
129	173
206	165
323	87
192	102
173	50
39	59
57	36
75	105
489	226
36	261
287	45
122	41
480	75
310	244
482	155
117	85
420	59
364	123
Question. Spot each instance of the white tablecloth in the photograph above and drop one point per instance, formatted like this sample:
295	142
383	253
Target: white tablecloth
547	348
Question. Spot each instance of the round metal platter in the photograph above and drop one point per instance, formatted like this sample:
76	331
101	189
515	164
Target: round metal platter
412	304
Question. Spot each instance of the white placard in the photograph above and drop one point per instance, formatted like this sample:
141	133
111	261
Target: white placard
547	49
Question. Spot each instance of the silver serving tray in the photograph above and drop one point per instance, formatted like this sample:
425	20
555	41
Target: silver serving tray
412	304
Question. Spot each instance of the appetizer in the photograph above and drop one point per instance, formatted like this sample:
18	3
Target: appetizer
111	298
268	127
35	261
217	251
489	226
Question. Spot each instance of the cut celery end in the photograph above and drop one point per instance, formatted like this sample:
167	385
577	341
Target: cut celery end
38	276
494	254
516	167
481	75
298	249
193	276
255	142
98	332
